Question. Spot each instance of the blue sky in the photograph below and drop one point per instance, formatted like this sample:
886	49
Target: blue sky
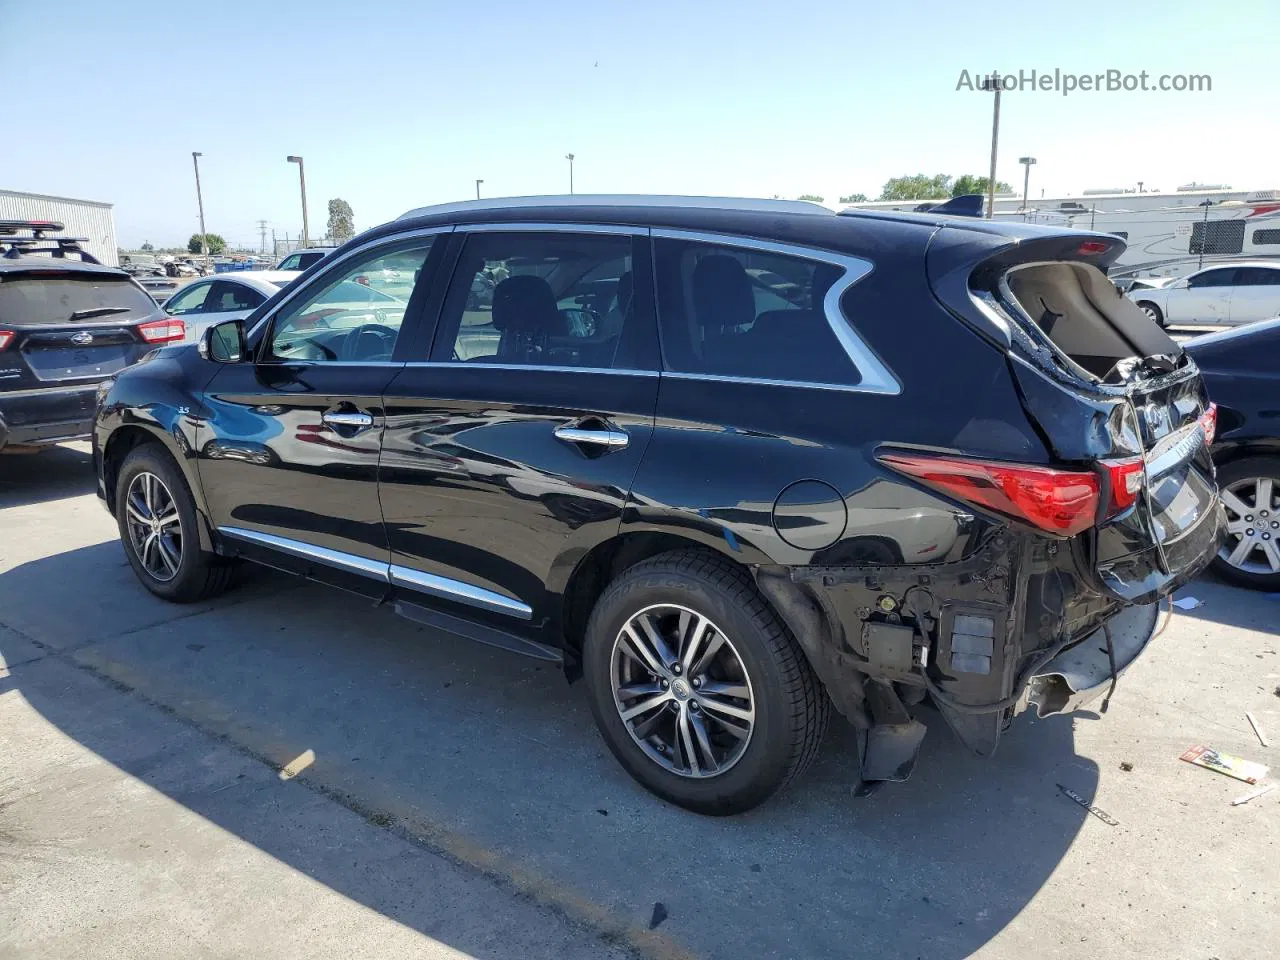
397	104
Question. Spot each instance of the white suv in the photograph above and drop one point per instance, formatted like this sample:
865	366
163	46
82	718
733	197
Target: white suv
301	259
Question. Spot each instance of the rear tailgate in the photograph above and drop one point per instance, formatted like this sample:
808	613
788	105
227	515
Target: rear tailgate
1105	386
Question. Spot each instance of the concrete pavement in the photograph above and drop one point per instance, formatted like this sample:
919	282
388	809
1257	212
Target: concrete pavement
457	798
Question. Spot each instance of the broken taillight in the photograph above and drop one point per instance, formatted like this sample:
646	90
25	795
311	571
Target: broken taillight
1126	478
163	331
1060	502
1208	422
6	337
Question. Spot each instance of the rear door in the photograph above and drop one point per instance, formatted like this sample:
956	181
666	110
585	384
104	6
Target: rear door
512	444
1255	295
288	452
1205	299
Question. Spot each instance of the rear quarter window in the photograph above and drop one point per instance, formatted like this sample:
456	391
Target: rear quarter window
69	297
743	312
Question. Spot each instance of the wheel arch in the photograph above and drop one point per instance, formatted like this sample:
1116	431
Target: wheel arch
129	437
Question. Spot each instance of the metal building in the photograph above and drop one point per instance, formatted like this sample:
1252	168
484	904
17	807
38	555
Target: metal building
83	218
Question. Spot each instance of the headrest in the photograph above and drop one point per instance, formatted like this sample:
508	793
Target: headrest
525	304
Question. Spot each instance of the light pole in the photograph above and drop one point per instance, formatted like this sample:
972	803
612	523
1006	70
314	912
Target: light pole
1026	178
204	237
569	157
995	139
302	181
478	182
1139	186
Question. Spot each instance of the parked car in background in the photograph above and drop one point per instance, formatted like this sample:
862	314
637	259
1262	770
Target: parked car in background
1242	371
302	259
160	287
1221	295
693	450
179	268
228	296
66	324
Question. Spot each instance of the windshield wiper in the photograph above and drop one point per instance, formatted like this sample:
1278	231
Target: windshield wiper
97	312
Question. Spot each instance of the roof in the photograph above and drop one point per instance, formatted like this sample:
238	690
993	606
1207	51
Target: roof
264	281
620	200
49	196
39	264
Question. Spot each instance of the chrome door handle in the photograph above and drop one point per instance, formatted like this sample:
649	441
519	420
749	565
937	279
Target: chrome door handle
613	439
342	418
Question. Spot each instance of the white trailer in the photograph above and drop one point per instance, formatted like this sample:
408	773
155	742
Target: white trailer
91	219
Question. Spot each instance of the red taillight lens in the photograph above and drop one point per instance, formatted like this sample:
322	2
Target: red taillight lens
6	338
163	331
1061	502
1208	420
1126	478
1094	247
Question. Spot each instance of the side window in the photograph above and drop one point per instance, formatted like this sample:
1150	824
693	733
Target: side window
291	262
228	296
1212	278
1263	237
742	312
543	299
343	317
308	259
190	300
1256	277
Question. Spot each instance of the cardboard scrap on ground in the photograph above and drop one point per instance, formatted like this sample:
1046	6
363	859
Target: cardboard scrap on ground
1232	766
1188	603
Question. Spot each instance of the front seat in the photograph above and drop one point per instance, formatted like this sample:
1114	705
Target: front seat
526	316
723	303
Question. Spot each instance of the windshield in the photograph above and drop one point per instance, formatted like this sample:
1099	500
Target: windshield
49	298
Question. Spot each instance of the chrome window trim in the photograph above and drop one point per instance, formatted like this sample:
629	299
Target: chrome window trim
876	377
447	589
535	226
332	261
394	574
465	365
306	551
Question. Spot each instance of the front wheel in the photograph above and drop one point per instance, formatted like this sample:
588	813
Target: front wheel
697	687
157	519
1152	311
1250	491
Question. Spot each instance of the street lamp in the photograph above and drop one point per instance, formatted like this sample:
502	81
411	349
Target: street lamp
1026	177
569	157
204	237
302	181
478	182
995	84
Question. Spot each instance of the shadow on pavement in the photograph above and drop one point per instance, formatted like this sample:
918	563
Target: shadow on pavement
493	761
1221	603
53	473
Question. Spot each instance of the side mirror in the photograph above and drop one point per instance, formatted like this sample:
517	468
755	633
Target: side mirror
225	343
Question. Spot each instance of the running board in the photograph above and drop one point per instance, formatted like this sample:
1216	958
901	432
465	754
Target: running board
479	632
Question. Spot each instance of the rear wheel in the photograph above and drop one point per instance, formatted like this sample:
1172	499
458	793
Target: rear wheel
697	687
157	519
1250	491
1152	311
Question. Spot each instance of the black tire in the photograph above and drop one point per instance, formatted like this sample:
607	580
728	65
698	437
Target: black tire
791	706
1234	472
1149	308
199	573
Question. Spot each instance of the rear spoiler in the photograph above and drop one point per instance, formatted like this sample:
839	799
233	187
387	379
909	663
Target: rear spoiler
59	247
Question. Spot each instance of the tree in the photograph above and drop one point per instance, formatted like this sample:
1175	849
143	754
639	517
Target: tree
810	196
147	247
854	198
341	220
968	183
917	187
215	243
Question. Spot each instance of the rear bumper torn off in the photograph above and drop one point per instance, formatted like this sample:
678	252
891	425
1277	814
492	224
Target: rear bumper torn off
1081	674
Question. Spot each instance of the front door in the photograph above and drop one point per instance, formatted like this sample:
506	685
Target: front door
288	451
511	447
1205	299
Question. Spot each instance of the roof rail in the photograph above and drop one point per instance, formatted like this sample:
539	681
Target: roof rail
12	247
621	200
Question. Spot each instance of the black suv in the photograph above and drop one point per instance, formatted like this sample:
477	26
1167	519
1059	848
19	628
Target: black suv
66	323
732	462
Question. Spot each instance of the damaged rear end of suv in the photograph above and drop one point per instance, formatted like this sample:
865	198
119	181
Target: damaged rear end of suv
1070	542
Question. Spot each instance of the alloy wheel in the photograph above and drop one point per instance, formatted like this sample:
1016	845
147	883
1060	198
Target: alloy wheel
1253	525
155	528
682	691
